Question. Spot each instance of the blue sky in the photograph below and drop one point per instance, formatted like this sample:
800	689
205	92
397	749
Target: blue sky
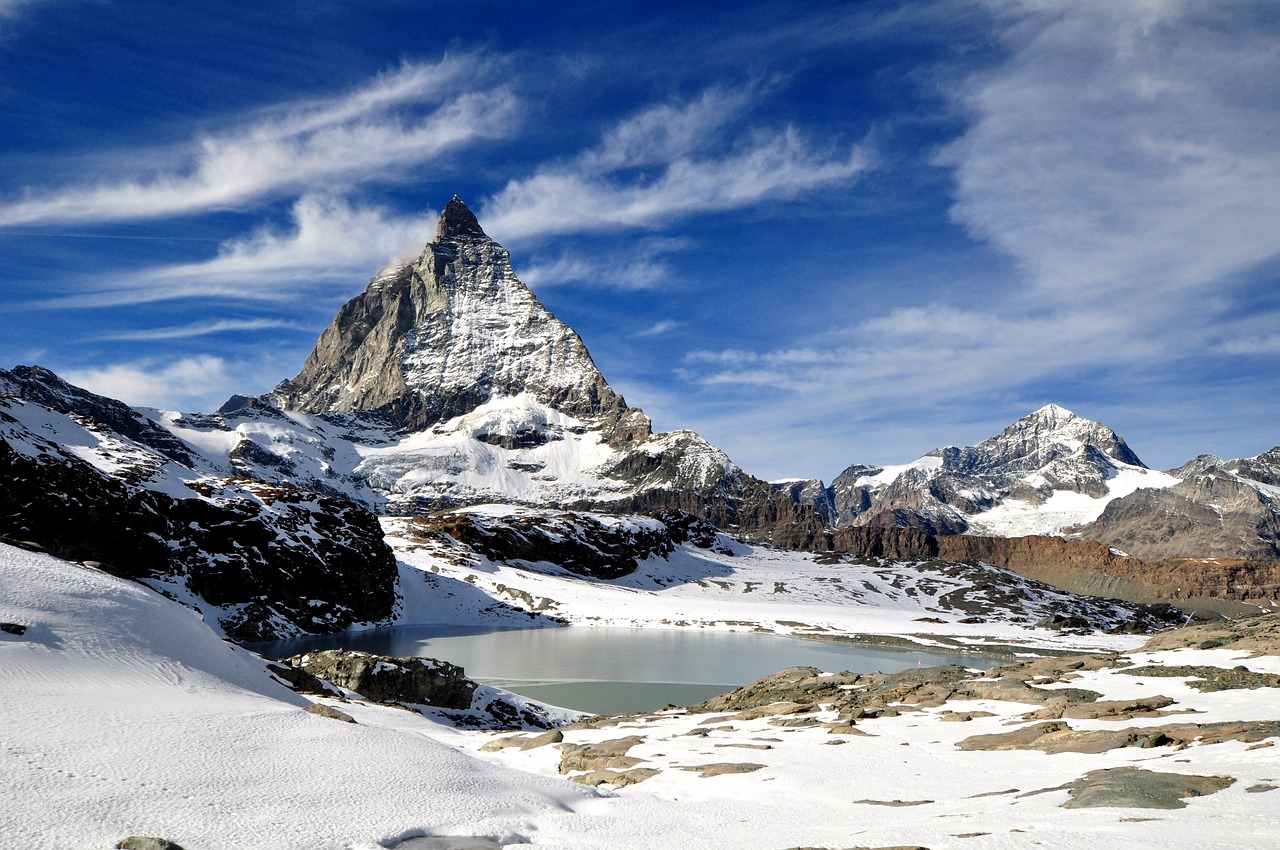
818	234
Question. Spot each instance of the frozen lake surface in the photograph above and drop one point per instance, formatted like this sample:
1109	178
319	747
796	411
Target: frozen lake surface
614	670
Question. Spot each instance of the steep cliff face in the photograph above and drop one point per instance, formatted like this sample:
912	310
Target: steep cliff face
1081	566
264	561
438	337
466	391
1214	512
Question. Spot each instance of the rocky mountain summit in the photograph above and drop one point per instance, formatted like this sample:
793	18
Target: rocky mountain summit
438	337
1047	471
444	384
1026	497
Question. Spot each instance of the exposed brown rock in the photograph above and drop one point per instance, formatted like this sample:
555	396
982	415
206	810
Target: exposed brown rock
382	679
322	710
1133	787
620	778
611	754
1079	566
723	768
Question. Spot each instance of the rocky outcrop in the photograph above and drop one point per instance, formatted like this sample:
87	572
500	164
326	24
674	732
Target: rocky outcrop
419	681
435	338
1135	788
41	386
276	561
593	545
810	492
1211	513
1079	566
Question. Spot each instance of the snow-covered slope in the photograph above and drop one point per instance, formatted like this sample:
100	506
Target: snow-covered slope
268	560
720	583
125	715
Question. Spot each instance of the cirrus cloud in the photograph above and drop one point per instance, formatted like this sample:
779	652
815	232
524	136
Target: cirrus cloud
399	119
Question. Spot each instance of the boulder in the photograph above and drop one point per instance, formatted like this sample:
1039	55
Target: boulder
1135	788
420	681
144	842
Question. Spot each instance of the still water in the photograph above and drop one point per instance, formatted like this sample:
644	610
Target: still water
612	670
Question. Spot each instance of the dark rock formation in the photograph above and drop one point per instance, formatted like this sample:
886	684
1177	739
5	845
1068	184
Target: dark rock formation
277	560
419	681
43	387
1212	513
585	544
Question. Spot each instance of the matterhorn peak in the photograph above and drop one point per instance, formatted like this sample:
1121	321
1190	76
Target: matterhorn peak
457	220
438	337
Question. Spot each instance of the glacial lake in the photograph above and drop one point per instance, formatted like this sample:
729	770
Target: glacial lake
614	670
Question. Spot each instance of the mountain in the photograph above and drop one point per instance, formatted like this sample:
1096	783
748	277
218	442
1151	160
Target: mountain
1217	509
89	479
446	383
1044	473
438	337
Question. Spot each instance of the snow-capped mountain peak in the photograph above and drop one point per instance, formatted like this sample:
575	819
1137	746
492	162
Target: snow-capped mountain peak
1043	437
1048	471
438	337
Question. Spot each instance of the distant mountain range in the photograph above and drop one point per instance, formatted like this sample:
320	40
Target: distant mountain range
1055	473
446	384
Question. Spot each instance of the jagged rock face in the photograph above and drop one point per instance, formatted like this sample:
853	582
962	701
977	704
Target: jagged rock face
269	561
436	338
590	545
421	681
1210	514
37	384
809	491
945	492
1265	468
1038	442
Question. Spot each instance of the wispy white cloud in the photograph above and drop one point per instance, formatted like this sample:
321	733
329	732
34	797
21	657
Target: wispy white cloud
660	328
202	329
330	240
1125	146
636	266
152	384
666	162
400	119
1123	154
1249	346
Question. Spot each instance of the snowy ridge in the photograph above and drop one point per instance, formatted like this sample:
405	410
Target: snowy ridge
508	449
1044	474
728	585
